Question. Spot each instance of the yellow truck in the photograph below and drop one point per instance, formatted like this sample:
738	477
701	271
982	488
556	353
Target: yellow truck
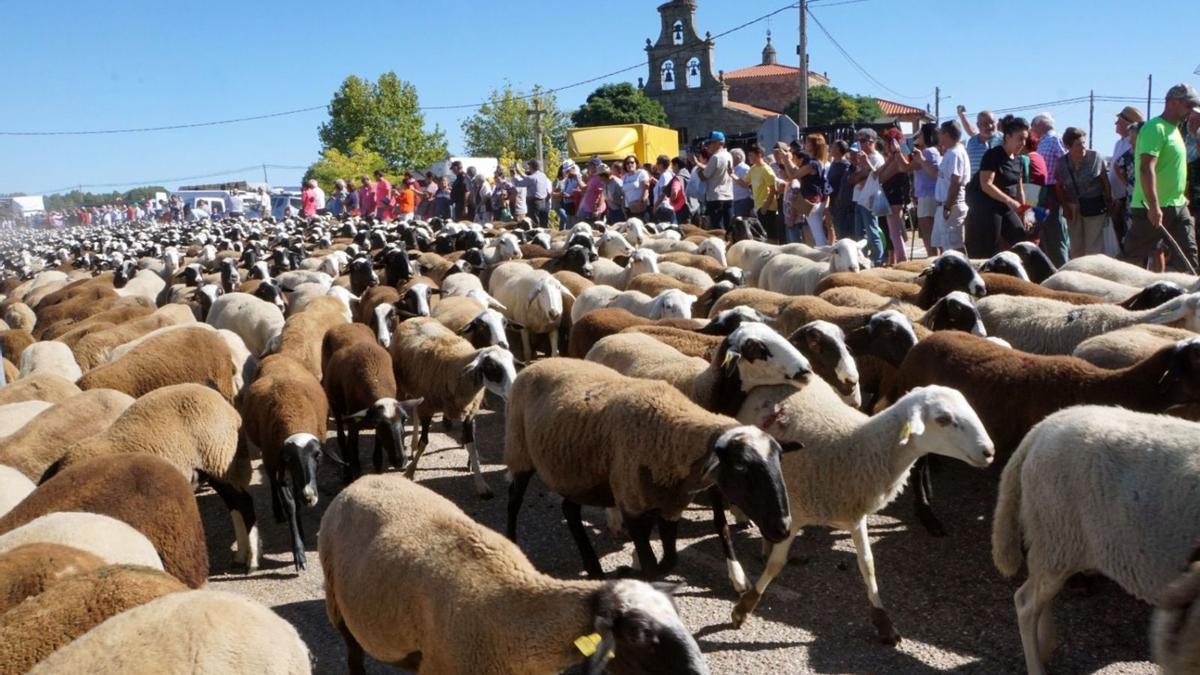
617	141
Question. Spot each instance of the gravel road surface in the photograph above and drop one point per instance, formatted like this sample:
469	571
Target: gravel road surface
945	597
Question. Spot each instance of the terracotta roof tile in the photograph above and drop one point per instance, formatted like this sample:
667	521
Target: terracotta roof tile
753	109
893	109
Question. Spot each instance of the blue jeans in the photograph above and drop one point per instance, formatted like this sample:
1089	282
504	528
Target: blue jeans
743	208
867	225
793	234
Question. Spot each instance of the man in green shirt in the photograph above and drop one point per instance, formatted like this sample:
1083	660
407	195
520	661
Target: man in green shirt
761	181
1159	197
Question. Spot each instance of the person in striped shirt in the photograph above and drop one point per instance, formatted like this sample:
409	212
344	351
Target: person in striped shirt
979	140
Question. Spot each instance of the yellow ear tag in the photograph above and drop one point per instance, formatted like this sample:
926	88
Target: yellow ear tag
728	358
587	644
906	431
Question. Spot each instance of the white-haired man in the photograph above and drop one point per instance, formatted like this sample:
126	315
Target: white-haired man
1051	148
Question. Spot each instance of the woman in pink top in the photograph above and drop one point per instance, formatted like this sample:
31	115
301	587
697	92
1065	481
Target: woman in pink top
366	196
592	206
308	200
383	195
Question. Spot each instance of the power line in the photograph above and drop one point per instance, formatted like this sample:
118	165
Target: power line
465	106
857	65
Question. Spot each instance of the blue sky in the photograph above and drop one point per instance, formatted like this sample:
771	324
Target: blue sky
88	65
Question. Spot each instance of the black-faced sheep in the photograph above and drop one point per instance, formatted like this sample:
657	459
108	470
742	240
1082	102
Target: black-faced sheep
446	375
854	465
390	548
1075	495
663	450
362	392
948	272
284	417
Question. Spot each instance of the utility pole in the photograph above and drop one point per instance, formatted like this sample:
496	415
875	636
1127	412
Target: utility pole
1149	89
537	113
802	50
265	174
937	104
1091	114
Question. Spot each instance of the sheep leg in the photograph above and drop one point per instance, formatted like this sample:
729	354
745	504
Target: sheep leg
554	342
289	505
736	574
516	495
775	563
481	487
354	651
866	566
639	531
276	504
591	564
241	511
420	442
354	460
347	471
922	496
526	345
1031	599
668	531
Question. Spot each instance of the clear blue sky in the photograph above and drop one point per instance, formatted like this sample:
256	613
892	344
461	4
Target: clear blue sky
90	65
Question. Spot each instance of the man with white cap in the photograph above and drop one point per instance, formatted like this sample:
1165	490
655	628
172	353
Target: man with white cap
717	173
1120	194
1159	194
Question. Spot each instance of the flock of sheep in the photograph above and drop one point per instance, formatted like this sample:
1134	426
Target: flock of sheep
793	386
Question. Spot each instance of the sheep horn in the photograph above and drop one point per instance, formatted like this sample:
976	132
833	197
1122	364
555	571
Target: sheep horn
333	455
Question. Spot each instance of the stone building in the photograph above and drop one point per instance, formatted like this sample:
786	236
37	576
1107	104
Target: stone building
697	101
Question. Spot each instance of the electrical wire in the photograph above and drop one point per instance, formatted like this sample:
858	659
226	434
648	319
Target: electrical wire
857	65
161	181
465	106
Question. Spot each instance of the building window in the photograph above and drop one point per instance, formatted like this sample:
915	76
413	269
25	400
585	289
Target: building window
668	75
677	33
693	73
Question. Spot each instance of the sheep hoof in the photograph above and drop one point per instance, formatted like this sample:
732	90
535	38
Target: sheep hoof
745	605
883	624
932	525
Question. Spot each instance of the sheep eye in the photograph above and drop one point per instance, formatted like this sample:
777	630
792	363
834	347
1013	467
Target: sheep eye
944	420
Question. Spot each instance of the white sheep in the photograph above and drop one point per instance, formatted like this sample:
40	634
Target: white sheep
1126	346
854	465
607	272
200	632
14	486
112	540
690	275
533	299
394	554
145	284
14	416
669	304
257	322
715	249
1045	326
1082	282
1095	488
50	357
613	244
1125	273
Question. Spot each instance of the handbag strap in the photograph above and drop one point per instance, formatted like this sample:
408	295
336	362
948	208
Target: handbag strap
1070	170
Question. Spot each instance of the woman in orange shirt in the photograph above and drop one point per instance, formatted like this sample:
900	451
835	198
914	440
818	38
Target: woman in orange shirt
406	203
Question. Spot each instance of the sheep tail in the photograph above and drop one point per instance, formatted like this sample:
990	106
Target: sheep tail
1007	554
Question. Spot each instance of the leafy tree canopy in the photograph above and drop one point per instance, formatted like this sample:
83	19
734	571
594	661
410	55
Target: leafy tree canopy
503	125
76	198
335	164
828	105
620	103
386	116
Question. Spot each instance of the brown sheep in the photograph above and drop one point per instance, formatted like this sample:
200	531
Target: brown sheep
284	416
88	302
302	333
1004	284
71	607
145	492
40	443
14	341
28	570
38	387
704	263
93	348
177	356
120	312
610	320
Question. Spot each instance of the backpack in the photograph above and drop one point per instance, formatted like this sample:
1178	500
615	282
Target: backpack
675	193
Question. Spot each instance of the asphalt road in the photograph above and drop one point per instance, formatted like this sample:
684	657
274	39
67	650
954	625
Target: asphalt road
953	609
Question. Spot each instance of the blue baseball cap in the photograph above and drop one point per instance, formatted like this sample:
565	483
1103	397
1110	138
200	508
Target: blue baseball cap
716	136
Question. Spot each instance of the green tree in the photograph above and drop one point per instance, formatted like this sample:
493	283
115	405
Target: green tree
386	116
335	164
828	105
620	103
503	125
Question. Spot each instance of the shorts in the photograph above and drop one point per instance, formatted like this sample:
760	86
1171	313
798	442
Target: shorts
927	207
948	232
1142	239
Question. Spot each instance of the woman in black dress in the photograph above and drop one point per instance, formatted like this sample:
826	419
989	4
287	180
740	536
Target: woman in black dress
995	196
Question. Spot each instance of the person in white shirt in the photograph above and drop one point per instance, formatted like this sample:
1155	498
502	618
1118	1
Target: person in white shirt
635	187
318	193
717	173
743	202
954	171
662	211
1129	115
867	162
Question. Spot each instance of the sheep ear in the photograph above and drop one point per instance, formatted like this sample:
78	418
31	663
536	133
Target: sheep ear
332	454
1170	313
410	406
354	417
915	426
790	446
564	290
496	304
926	272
